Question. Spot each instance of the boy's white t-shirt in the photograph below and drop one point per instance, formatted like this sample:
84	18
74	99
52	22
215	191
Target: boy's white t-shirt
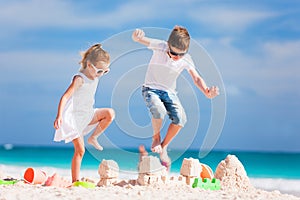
163	71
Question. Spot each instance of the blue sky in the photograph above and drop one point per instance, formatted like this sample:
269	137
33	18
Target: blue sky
255	47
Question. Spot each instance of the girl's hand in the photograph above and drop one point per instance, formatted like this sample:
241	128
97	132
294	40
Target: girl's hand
57	122
137	35
212	92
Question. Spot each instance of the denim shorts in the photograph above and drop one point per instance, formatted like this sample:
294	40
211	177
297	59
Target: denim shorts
160	103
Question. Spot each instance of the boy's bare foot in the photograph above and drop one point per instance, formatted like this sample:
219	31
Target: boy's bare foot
165	159
93	141
156	147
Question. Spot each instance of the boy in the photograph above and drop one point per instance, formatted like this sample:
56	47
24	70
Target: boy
169	59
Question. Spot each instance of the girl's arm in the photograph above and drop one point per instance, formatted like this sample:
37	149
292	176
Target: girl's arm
76	83
139	36
200	83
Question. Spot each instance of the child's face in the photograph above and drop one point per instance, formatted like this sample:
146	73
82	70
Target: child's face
176	53
99	69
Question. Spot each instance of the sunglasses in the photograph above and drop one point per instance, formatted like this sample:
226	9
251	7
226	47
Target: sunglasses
100	71
173	53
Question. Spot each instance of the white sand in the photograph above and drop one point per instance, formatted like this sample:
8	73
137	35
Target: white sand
235	185
170	190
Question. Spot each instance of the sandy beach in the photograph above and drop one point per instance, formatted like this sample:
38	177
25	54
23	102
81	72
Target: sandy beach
234	181
172	190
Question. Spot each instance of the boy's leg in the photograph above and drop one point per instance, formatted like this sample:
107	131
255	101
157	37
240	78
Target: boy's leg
104	117
77	158
177	115
157	108
171	133
156	125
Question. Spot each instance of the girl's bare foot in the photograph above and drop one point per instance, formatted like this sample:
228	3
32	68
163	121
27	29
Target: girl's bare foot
93	141
156	147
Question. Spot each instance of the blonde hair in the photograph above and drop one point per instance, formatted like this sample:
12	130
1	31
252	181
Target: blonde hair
179	38
94	54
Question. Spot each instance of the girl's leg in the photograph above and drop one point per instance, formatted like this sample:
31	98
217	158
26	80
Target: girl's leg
104	117
77	158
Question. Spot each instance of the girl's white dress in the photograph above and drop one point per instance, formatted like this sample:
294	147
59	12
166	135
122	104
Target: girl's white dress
78	112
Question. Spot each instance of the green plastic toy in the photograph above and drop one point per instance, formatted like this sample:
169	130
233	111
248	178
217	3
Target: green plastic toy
84	184
207	184
8	181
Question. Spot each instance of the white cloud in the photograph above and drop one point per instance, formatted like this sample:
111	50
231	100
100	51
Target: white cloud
20	15
37	66
228	18
271	70
285	51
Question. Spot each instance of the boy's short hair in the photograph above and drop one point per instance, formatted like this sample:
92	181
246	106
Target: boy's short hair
179	38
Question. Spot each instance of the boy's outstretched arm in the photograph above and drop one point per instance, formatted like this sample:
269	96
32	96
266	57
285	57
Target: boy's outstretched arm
139	36
211	92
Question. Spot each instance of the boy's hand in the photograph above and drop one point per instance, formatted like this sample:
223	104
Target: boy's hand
212	92
137	35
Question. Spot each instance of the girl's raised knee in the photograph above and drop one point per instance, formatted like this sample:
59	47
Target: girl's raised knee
111	114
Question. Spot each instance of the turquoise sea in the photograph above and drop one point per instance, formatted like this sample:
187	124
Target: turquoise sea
257	164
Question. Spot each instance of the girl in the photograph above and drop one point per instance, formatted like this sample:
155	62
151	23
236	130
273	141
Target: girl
76	115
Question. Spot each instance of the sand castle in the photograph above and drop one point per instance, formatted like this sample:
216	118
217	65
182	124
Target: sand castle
190	169
232	174
109	172
229	171
151	171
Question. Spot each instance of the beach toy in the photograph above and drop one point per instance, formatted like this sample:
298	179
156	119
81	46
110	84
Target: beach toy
34	176
207	184
8	181
84	184
206	172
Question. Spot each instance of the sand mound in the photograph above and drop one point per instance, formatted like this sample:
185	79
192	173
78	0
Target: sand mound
232	174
